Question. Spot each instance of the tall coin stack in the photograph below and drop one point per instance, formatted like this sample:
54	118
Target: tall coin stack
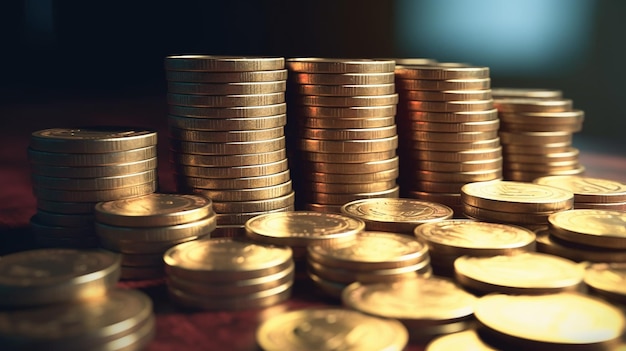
346	112
536	135
449	131
73	169
227	117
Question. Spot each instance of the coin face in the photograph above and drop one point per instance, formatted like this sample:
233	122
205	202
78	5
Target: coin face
607	277
330	329
397	210
587	189
593	227
91	139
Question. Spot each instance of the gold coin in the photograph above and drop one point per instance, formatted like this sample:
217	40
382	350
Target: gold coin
539	149
234	183
450	106
212	63
349	146
189	153
300	228
548	243
607	279
590	227
343	78
468	166
348	101
91	139
440	72
340	199
390	174
226	88
225	100
227	124
53	276
53	219
459	137
222	136
533	105
153	210
523	273
228	112
447	95
248	194
545	167
348	111
613	206
482	126
255	205
570	155
97	184
535	138
534	93
315	328
345	188
414	61
458	156
347	276
95	195
352	158
459	177
137	234
530	127
512	319
227	160
520	218
443	85
527	176
226	77
588	189
511	196
119	169
452	117
346	90
395	214
90	160
241	218
438	187
348	123
334	65
257	300
564	118
146	247
456	147
232	172
348	134
353	168
468	339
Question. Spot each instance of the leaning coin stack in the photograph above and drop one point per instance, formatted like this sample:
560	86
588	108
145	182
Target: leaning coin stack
536	135
65	299
141	229
375	257
450	239
227	117
449	130
347	133
73	169
526	204
228	274
592	193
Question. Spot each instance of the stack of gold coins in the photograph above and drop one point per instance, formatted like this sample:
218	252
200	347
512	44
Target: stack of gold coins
524	273
317	329
73	169
299	229
397	215
65	299
427	307
375	257
347	131
227	117
228	274
514	202
585	235
607	280
141	229
592	193
449	131
450	239
563	321
536	135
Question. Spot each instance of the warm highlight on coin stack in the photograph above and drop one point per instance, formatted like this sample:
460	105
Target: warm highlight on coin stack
227	119
346	127
75	168
449	130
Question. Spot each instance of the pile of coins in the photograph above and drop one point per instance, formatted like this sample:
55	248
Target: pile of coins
65	299
449	131
514	202
450	239
228	274
227	117
73	169
141	229
592	193
536	134
375	257
345	111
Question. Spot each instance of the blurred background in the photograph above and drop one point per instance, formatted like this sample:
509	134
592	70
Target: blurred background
108	55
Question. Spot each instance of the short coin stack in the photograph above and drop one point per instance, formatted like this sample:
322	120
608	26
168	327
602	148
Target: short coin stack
592	193
536	135
228	274
514	202
227	117
348	138
450	239
141	229
65	299
375	257
73	169
449	130
607	280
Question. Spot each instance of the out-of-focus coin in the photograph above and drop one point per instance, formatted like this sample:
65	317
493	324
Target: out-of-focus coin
535	138
226	77
212	63
388	275
542	119
335	65
247	194
522	218
92	139
548	159
468	339
607	279
226	88
501	93
590	227
548	243
588	189
533	105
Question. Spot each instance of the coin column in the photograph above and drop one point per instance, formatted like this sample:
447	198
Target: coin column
227	119
449	131
536	136
347	131
73	169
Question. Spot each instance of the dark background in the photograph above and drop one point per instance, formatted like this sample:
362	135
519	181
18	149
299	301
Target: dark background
58	55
